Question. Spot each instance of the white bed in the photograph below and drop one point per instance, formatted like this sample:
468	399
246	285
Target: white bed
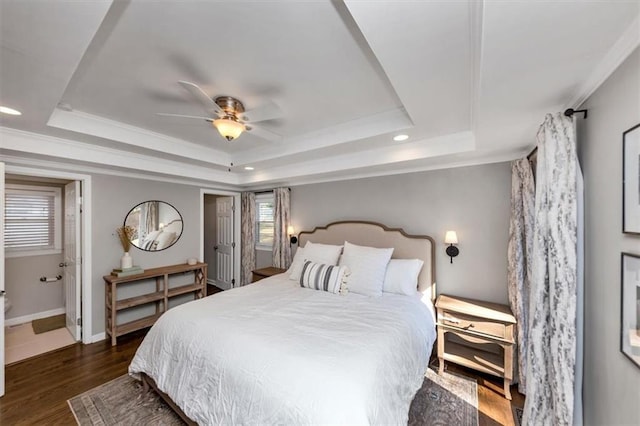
276	353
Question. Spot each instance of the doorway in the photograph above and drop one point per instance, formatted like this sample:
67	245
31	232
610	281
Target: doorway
41	303
219	232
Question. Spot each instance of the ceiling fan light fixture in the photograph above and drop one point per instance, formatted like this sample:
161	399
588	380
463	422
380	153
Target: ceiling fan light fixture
229	128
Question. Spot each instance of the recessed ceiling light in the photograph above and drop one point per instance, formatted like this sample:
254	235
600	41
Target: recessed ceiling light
400	138
10	111
248	168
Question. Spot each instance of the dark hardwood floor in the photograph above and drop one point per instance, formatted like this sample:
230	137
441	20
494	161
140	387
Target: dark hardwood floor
37	389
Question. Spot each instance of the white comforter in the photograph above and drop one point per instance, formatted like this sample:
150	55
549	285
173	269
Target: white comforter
276	353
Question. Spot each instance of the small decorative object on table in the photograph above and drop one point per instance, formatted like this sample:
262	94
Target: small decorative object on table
125	272
124	234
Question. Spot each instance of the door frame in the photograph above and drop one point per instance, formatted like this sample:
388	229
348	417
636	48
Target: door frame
85	217
236	228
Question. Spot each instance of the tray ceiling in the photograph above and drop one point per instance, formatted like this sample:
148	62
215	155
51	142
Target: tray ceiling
469	82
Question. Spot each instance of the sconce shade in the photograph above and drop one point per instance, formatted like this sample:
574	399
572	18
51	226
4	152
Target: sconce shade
228	128
451	237
292	237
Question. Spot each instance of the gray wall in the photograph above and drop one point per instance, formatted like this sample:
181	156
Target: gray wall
611	382
25	291
473	201
113	197
210	224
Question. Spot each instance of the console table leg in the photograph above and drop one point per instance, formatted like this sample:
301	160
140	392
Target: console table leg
507	389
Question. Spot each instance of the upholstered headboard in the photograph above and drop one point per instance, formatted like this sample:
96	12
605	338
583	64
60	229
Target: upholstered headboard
377	235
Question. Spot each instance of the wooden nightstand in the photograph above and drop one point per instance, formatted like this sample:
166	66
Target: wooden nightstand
261	273
478	335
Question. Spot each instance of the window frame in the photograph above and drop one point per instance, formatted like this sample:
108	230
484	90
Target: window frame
57	221
263	198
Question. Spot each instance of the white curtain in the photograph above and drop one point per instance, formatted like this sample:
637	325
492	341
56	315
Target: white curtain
248	235
282	217
551	345
520	253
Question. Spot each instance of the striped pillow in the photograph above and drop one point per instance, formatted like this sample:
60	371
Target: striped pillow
318	276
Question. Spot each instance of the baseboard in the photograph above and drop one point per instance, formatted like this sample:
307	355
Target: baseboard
9	322
98	337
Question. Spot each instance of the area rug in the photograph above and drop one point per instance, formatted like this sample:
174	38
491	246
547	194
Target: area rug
122	402
517	415
442	400
47	324
445	400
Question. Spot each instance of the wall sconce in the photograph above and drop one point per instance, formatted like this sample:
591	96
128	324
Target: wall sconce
292	238
451	238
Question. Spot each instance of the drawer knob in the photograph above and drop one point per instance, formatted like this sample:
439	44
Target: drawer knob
469	326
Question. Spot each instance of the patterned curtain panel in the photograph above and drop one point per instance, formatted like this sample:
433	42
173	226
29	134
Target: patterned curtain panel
551	345
520	253
153	216
248	235
282	218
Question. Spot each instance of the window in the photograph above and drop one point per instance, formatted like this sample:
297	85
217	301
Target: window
264	221
32	220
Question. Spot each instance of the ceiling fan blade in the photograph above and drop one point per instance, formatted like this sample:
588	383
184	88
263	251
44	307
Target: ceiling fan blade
200	95
165	114
268	111
263	133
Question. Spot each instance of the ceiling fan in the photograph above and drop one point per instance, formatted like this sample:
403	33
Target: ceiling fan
228	116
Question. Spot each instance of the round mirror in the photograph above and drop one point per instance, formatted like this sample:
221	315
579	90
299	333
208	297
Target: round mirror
156	225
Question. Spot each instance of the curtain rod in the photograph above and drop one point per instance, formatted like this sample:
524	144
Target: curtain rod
568	113
267	191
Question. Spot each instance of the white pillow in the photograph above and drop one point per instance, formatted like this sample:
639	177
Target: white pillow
402	276
317	253
296	264
165	239
368	266
328	278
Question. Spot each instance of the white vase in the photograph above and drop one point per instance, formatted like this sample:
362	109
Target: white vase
126	261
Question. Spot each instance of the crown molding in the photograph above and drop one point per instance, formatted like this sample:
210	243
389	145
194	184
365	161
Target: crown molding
620	50
373	125
81	122
24	163
49	146
476	42
428	148
400	170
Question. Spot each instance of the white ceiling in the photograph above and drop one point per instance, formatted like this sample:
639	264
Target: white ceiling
468	81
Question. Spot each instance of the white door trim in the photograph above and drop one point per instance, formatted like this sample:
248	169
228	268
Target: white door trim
236	227
87	310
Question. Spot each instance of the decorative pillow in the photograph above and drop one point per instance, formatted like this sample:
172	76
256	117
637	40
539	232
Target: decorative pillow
318	253
165	239
367	266
402	276
329	278
150	240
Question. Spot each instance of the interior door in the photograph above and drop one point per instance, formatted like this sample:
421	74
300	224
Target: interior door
224	242
72	260
2	295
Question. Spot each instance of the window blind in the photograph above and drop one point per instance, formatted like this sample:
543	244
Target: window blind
29	219
265	222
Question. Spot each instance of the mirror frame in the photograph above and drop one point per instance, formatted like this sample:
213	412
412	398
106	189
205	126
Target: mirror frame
159	201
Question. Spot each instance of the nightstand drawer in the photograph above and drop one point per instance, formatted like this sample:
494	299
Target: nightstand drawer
475	324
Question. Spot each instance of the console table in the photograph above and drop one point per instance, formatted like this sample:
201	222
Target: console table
160	296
